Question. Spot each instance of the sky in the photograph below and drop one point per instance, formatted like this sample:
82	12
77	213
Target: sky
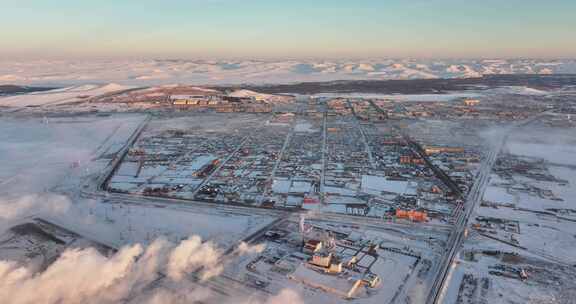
288	29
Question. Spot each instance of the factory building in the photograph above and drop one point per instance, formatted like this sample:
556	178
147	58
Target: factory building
436	149
187	99
312	246
415	216
471	102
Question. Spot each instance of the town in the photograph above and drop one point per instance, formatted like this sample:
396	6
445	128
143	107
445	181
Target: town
365	198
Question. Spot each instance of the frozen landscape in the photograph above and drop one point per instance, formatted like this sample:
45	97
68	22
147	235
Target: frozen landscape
287	152
197	194
168	71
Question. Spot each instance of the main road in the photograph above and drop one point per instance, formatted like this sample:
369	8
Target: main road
458	235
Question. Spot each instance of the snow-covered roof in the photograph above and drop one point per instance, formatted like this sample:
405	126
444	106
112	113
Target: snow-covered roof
187	97
372	183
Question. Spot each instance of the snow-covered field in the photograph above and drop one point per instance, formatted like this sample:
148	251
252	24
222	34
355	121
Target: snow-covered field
444	97
60	96
37	154
120	224
546	283
407	97
543	246
155	71
43	157
554	145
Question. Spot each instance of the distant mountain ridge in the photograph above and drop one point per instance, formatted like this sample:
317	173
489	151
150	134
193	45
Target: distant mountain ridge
212	72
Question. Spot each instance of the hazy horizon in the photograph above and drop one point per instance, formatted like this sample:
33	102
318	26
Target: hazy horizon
224	29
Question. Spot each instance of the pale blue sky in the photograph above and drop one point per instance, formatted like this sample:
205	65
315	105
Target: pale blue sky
291	28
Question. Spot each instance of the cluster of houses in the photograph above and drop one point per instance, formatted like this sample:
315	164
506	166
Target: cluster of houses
221	103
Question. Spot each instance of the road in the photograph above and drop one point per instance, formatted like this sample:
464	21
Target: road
440	174
463	211
228	158
221	165
363	134
458	235
324	153
115	163
287	140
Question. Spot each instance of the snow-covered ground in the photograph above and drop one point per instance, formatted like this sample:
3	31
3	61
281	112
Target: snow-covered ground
444	97
543	244
37	154
41	158
120	224
404	277
38	157
546	283
556	147
60	96
260	96
155	71
49	170
407	97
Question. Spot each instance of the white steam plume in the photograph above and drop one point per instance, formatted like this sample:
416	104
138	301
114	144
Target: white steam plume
14	209
33	204
86	276
244	248
191	254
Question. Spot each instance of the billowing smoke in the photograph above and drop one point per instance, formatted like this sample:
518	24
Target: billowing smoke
244	248
129	276
191	254
78	276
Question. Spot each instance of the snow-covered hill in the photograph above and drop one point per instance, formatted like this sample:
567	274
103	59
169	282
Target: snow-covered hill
61	96
267	98
150	71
